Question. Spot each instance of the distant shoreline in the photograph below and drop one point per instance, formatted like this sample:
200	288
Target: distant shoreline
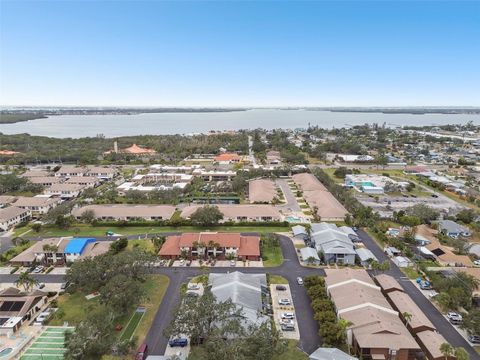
26	114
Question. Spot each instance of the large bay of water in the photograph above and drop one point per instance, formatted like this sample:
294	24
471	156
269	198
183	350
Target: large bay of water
75	126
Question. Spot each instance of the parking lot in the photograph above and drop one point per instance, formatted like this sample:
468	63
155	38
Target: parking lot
278	310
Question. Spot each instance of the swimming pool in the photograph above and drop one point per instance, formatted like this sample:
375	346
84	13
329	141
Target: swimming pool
5	352
292	219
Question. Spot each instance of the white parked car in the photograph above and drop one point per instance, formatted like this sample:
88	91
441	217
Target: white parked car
233	263
476	263
299	281
455	318
284	302
193	286
287	315
182	262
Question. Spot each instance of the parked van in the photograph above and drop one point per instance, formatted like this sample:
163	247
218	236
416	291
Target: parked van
142	352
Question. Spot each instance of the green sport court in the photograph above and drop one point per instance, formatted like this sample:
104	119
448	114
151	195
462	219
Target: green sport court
50	345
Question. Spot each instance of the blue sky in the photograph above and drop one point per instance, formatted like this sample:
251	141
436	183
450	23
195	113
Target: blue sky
158	53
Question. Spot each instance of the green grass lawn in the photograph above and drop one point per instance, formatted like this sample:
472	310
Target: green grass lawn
131	326
411	273
144	244
292	352
74	307
87	230
271	255
276	279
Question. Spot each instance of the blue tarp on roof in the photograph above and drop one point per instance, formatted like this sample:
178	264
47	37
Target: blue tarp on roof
77	245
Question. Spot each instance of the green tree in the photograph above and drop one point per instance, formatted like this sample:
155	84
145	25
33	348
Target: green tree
206	216
447	350
26	281
471	322
119	245
88	216
461	354
36	227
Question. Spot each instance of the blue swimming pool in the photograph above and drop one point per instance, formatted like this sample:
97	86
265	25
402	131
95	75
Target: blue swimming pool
5	352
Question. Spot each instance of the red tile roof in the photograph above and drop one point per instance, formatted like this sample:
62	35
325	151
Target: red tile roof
247	245
227	157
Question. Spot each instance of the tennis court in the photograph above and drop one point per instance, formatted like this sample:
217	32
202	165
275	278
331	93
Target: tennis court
50	345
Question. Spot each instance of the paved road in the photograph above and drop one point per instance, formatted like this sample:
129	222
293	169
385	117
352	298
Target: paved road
292	204
441	323
290	269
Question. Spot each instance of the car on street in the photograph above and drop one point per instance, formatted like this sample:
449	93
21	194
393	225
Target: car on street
287	315
182	262
182	342
299	281
284	302
434	195
41	285
233	263
476	263
280	288
454	318
474	339
142	352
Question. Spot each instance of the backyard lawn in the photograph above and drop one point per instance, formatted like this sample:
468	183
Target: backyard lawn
73	308
271	255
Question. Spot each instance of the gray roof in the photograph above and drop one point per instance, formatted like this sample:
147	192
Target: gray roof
298	229
474	249
245	290
364	254
451	226
333	241
307	252
322	226
330	354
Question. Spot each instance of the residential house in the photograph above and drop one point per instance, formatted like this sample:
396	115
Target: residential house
64	191
211	245
11	216
430	342
36	173
237	213
101	172
67	171
333	244
388	283
262	191
45	180
38	205
86	181
59	251
402	261
227	158
126	212
319	198
375	330
452	229
17	307
244	290
6	200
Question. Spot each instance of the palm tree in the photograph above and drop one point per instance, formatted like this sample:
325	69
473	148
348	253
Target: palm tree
344	325
461	354
407	316
446	349
26	281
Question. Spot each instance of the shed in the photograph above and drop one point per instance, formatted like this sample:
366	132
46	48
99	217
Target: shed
299	232
309	253
365	255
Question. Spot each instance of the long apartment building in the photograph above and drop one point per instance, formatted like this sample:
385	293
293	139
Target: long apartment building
376	331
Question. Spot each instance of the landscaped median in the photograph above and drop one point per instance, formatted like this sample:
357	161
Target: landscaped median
85	230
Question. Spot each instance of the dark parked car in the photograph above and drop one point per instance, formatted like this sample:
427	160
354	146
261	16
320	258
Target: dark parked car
280	288
434	195
474	339
182	342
